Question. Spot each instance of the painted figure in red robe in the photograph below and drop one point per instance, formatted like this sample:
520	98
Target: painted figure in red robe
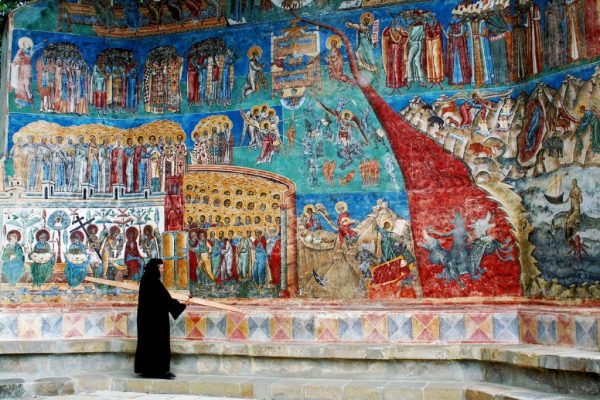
118	165
335	61
344	222
133	259
394	53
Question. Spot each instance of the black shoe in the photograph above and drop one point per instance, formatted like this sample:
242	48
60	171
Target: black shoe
168	375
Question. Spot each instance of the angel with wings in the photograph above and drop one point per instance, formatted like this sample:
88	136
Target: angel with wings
345	120
251	125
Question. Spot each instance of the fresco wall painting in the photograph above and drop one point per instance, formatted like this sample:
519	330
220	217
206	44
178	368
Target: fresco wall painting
305	148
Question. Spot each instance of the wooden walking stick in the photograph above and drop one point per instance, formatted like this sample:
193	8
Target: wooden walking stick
178	296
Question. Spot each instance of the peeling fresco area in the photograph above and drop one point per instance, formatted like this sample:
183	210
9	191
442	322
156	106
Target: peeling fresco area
305	148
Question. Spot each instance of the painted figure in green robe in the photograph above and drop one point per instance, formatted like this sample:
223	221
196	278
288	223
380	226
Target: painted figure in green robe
78	260
591	119
389	242
497	29
43	258
13	259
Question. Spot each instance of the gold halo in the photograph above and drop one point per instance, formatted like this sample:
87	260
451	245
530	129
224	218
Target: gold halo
255	108
365	16
347	111
306	207
253	49
331	39
25	40
341	207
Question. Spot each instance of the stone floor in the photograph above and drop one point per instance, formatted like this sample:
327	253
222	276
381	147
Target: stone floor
126	385
112	395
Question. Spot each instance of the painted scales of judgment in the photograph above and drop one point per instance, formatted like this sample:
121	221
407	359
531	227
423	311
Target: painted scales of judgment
296	62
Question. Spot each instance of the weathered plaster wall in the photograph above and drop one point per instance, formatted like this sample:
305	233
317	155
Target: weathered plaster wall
365	151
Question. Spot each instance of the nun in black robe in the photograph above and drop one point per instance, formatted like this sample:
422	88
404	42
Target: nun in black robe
153	353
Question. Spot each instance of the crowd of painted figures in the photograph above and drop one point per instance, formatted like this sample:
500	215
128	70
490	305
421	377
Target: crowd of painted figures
234	234
160	81
261	124
104	163
115	82
107	253
486	43
213	141
225	255
63	79
210	73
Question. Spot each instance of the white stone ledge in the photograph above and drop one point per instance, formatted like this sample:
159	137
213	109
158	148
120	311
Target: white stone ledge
529	356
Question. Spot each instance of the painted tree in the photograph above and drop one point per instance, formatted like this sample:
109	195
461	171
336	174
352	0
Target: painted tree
6	7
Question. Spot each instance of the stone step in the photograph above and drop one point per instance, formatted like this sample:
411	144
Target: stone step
487	391
125	384
114	395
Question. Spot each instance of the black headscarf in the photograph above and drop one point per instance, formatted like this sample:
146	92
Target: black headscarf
151	269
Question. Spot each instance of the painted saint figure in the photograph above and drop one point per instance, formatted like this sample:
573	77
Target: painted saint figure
344	222
434	52
255	77
364	42
573	24
574	217
42	257
133	259
21	72
534	38
554	51
497	30
259	268
13	258
416	38
78	260
394	54
457	56
335	61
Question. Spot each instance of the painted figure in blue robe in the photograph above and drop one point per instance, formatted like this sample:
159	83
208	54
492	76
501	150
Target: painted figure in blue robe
364	42
78	260
215	255
42	257
93	161
531	136
80	165
591	119
486	54
13	258
259	268
43	153
132	14
64	87
33	166
203	71
59	158
498	28
225	87
131	98
129	150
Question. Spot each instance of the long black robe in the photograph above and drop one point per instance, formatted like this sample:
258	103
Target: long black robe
153	354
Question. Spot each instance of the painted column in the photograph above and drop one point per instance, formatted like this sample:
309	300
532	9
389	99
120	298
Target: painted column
291	244
284	268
